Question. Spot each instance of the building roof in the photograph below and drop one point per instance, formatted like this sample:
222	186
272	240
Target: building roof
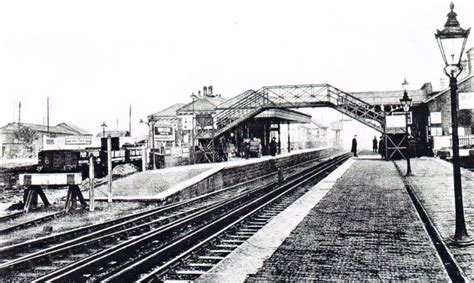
167	112
114	134
74	128
202	104
61	128
447	90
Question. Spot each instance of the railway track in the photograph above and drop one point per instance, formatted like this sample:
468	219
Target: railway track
102	251
26	224
290	171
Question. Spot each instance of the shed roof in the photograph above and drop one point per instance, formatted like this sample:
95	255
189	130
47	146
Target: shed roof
61	128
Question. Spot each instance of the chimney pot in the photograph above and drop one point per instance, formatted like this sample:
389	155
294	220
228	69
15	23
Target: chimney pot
204	91
210	90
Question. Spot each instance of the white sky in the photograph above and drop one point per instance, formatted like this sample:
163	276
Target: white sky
94	58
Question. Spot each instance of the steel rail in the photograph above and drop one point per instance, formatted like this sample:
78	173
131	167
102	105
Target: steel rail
63	247
130	247
125	220
11	216
87	241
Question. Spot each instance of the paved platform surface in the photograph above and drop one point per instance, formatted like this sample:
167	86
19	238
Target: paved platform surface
249	256
434	187
364	228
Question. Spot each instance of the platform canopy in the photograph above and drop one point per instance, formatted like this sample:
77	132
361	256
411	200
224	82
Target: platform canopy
285	114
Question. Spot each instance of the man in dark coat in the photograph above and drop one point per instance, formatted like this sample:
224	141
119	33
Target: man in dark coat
382	147
374	144
354	146
273	146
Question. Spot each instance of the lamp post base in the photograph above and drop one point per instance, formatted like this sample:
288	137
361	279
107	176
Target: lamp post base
462	242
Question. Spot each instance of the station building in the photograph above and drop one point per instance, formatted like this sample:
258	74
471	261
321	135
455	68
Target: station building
179	133
439	107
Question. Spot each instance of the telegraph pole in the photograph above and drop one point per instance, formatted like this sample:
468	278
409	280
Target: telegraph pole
47	114
19	112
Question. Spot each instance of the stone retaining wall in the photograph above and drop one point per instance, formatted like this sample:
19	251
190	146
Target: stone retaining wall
244	175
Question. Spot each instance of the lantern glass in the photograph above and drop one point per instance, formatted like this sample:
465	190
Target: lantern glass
406	106
452	49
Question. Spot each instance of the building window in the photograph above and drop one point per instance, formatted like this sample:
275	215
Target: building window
436	131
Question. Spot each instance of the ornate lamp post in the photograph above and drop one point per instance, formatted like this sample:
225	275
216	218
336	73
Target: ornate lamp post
406	102
103	128
452	40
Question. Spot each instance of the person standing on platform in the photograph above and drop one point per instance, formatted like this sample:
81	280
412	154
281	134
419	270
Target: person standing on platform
246	148
374	144
382	147
354	146
273	146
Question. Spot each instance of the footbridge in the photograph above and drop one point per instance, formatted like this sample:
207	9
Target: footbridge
250	103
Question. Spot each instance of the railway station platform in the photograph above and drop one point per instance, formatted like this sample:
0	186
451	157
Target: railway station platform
184	182
358	224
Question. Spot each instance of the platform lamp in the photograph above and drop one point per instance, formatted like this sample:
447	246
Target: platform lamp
406	102
152	141
103	128
451	41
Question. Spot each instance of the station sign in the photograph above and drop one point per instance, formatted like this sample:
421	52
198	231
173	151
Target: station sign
164	133
70	143
466	100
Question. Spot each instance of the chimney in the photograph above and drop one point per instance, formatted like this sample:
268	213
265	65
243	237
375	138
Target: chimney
210	89
465	70
204	91
199	93
470	61
427	88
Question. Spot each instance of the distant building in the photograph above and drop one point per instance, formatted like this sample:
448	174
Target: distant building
26	139
172	126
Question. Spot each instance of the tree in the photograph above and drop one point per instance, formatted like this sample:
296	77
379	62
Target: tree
25	135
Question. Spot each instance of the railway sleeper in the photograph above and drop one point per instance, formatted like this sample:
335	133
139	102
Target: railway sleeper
220	251
201	264
210	258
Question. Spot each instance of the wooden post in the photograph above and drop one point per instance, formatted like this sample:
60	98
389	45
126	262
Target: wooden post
91	183
109	167
144	158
